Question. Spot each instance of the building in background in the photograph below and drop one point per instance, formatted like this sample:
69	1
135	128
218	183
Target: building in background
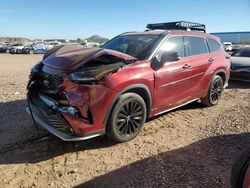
234	37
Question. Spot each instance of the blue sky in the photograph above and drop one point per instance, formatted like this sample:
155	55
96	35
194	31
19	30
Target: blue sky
82	18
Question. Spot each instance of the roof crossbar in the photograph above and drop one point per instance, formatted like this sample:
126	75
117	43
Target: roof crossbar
179	25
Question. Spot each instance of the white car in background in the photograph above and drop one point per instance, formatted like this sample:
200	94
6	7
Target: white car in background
16	48
52	44
36	48
228	46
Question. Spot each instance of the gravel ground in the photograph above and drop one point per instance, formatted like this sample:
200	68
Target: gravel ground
193	146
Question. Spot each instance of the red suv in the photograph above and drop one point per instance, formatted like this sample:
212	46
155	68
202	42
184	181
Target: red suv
77	93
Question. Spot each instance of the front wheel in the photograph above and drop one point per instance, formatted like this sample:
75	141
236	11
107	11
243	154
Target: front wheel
127	118
214	91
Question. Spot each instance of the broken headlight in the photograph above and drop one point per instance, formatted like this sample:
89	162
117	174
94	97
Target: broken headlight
94	74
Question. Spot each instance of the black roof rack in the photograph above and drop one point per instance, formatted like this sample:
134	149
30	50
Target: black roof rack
179	25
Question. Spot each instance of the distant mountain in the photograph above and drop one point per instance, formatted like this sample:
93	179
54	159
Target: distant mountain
97	38
14	40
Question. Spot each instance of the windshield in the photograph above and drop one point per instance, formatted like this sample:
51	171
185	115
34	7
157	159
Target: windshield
139	46
244	52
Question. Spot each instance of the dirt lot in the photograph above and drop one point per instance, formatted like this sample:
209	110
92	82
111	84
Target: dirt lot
189	147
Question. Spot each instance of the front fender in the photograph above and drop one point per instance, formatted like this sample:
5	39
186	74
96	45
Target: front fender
126	89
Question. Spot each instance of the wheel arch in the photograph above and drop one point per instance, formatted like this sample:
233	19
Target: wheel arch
140	89
221	73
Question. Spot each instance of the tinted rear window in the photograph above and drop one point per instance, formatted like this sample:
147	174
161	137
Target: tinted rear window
195	46
213	45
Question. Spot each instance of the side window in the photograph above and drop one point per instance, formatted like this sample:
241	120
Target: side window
213	45
173	44
195	46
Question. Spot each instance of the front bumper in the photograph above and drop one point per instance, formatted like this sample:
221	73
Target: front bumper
91	103
54	123
59	134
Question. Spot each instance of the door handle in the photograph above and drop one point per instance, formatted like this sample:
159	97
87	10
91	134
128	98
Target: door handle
186	66
211	60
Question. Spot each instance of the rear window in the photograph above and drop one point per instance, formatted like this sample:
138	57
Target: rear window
213	45
195	46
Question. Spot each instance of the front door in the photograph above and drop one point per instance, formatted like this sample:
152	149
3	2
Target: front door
173	79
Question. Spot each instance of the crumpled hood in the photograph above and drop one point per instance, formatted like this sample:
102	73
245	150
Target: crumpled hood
240	62
71	57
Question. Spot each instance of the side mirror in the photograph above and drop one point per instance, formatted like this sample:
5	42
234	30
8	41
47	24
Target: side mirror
169	56
163	57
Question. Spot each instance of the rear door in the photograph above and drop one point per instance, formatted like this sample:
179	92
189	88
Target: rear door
197	50
173	79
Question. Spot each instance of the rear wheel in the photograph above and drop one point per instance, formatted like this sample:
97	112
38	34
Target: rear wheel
127	118
214	91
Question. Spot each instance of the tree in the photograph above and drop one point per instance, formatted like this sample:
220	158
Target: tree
78	40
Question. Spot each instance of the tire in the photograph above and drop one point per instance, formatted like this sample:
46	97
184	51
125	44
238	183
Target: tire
12	52
8	51
127	118
214	92
31	52
239	169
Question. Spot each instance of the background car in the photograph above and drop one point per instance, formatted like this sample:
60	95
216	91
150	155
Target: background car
35	49
16	48
5	48
52	44
240	64
227	46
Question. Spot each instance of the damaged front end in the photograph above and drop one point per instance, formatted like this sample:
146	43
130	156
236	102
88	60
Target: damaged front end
95	74
65	95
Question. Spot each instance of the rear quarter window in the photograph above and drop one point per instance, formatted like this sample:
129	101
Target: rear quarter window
195	45
213	45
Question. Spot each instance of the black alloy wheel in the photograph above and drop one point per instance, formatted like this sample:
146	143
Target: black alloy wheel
214	91
127	117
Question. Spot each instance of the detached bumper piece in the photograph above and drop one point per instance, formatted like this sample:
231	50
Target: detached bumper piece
53	121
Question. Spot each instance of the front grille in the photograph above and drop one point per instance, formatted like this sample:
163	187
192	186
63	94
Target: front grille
51	82
49	116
